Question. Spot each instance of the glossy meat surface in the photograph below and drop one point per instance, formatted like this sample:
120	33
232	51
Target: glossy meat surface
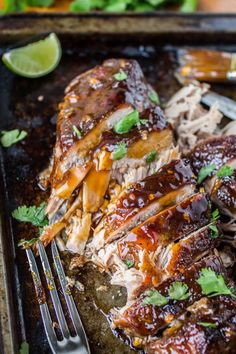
224	194
145	320
139	196
217	151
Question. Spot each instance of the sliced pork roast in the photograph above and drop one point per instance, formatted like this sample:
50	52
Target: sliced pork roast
109	134
122	197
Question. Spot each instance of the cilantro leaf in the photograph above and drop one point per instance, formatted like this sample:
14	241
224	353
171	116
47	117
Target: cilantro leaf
189	5
153	96
43	3
8	138
129	263
205	172
225	171
27	243
24	348
80	5
155	298
151	157
179	291
77	132
215	215
208	324
214	231
213	284
34	215
121	75
119	152
127	123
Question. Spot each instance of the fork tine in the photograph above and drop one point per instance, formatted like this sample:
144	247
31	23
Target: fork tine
68	297
53	291
45	314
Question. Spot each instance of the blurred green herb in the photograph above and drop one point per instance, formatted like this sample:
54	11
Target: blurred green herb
24	348
32	214
130	5
11	137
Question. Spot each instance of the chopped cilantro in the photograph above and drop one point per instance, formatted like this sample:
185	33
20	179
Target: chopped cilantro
11	137
77	132
121	75
127	123
153	96
208	324
179	291
155	298
213	284
214	231
215	215
129	263
204	172
151	157
225	171
119	152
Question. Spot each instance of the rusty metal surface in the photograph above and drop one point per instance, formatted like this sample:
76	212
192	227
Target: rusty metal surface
32	105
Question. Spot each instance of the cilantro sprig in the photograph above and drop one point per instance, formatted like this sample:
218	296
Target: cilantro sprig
32	214
11	137
213	284
177	291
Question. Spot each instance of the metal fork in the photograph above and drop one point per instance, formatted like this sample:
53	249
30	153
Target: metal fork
69	344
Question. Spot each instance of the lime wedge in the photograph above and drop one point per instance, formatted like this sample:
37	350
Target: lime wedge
35	59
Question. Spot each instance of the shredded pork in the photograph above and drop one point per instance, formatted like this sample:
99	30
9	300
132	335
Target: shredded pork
190	120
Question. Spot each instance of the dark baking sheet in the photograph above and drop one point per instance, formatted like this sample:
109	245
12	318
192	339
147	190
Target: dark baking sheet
154	46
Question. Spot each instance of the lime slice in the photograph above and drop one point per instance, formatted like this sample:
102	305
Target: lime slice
35	59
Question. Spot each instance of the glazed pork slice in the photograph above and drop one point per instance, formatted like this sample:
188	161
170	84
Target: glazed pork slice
221	153
150	253
142	320
172	183
218	151
223	194
209	326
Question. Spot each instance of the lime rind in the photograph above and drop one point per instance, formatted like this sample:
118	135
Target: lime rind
36	59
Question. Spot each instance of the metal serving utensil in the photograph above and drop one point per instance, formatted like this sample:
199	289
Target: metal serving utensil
226	105
77	344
